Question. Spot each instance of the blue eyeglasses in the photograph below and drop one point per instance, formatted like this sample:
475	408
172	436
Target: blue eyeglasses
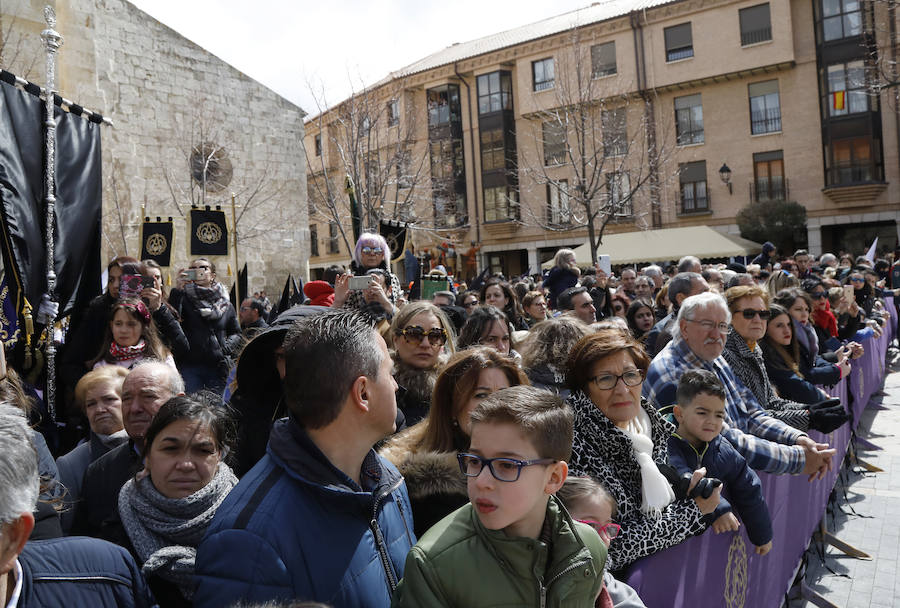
503	469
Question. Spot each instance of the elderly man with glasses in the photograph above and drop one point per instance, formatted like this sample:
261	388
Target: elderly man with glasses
766	443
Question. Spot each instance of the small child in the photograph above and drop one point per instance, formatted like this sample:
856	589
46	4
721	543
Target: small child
588	502
131	337
513	529
700	412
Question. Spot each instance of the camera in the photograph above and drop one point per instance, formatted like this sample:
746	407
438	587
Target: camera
359	283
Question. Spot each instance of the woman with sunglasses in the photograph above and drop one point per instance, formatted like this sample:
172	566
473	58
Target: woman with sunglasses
749	306
371	252
423	338
426	453
619	440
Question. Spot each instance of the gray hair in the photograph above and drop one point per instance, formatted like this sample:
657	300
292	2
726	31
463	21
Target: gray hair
682	283
324	355
687	262
176	382
652	271
827	259
19	476
645	279
704	301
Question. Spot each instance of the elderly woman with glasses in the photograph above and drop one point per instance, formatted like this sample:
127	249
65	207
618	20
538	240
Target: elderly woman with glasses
423	338
619	440
749	306
371	252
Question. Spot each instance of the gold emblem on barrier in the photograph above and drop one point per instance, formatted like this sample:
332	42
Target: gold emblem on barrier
209	233
736	574
156	244
862	383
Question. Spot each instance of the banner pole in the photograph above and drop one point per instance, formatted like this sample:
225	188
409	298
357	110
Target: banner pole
52	41
237	268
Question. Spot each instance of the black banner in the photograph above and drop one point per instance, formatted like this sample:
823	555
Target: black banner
156	241
394	233
209	232
78	201
241	285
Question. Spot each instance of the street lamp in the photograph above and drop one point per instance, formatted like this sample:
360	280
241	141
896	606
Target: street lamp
725	174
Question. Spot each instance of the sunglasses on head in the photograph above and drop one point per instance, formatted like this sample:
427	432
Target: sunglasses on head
749	313
414	334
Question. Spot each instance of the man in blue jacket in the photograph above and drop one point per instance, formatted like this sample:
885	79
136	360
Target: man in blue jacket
58	572
321	517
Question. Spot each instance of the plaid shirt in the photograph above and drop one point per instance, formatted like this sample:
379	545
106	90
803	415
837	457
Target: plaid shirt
766	443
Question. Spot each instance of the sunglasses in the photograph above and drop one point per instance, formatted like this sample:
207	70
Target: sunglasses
857	280
749	313
414	334
818	295
372	250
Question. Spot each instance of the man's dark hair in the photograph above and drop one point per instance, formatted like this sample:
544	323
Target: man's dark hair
332	273
695	382
682	283
258	306
323	356
564	300
800	252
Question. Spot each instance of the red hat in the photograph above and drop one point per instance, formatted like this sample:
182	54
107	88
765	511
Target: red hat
321	293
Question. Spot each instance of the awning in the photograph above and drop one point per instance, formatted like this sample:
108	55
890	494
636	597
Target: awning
666	244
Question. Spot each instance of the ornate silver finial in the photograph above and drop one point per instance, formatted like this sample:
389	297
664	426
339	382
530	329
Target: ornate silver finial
50	16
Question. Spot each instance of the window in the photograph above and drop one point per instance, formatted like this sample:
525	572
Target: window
365	126
603	59
756	24
554	142
615	135
768	176
492	150
765	107
494	92
318	141
558	209
443	105
404	171
689	120
841	19
333	246
692	177
618	189
446	159
450	210
373	175
847	92
851	161
393	112
500	204
679	43
314	241
542	72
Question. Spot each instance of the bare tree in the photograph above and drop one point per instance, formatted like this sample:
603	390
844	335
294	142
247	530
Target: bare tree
599	151
19	51
366	144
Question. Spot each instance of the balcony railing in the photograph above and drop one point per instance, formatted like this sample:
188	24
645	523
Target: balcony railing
679	53
766	121
754	36
774	188
845	174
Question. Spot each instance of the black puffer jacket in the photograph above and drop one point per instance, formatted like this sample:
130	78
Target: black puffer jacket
211	341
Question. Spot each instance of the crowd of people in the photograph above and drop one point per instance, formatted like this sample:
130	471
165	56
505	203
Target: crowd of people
503	443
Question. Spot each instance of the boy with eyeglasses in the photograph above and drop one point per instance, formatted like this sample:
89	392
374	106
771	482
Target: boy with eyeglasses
514	529
700	413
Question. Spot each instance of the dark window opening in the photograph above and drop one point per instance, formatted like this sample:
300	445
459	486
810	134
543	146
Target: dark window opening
543	74
554	137
603	59
494	92
694	196
765	107
769	183
756	24
679	42
689	120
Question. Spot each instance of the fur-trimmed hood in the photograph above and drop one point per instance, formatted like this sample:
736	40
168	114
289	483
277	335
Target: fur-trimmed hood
426	473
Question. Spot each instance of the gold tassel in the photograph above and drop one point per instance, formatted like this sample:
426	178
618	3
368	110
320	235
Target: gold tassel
229	270
168	279
29	330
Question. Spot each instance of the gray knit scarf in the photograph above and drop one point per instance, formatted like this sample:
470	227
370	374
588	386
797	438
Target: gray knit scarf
164	531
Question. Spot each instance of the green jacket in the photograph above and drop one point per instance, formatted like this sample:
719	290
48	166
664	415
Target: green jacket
458	563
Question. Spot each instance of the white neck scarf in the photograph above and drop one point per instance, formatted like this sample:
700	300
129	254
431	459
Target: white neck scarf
656	493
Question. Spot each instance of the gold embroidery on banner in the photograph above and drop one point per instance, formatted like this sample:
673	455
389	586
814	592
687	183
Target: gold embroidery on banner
156	244
209	233
736	574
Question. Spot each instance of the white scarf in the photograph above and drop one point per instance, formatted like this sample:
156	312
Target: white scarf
656	493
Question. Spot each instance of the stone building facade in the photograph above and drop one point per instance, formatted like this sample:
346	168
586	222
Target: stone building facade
166	96
782	92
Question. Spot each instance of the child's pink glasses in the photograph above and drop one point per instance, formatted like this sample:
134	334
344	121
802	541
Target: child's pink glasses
610	529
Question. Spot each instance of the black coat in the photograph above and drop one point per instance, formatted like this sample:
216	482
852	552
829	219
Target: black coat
210	341
84	340
100	488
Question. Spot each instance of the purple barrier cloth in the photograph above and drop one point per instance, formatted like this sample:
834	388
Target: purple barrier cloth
718	570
